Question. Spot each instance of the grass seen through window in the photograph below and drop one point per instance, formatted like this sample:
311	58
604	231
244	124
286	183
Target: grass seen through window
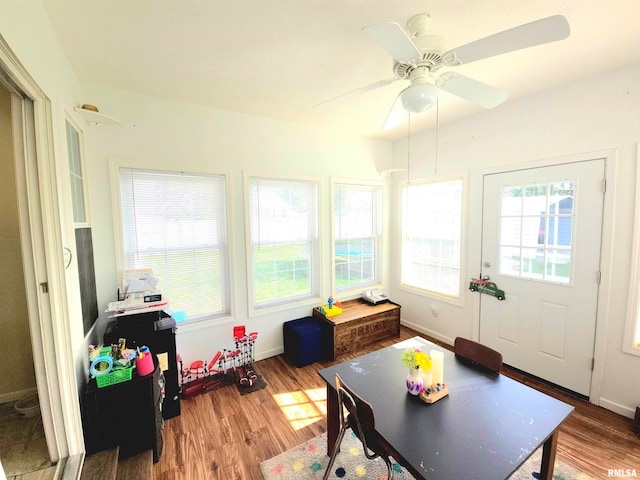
281	271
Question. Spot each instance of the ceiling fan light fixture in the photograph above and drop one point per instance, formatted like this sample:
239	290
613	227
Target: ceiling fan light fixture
419	97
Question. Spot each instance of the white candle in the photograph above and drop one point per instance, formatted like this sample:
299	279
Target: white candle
437	366
427	379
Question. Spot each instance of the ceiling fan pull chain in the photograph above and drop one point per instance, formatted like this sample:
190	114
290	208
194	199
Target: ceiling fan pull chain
409	148
435	169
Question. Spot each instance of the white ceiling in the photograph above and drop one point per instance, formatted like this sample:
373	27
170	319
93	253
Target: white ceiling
279	58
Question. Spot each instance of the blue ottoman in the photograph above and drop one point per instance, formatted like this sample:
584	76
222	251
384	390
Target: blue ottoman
303	340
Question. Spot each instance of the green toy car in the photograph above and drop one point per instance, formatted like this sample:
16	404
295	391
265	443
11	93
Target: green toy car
490	288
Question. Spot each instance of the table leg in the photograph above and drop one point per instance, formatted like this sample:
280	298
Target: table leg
333	418
549	456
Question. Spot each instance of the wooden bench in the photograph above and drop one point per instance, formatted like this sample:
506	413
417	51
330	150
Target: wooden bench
360	324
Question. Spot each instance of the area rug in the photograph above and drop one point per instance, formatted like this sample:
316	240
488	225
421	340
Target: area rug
309	460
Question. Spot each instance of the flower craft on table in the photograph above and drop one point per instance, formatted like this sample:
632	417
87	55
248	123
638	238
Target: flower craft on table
414	358
417	362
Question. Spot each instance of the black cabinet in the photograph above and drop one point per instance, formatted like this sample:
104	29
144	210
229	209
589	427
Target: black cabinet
127	414
157	331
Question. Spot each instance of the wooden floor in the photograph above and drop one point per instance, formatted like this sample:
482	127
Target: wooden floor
223	435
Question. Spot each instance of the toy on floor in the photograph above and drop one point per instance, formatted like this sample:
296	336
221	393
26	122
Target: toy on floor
224	367
245	345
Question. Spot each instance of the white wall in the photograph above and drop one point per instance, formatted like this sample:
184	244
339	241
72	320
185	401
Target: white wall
594	114
163	134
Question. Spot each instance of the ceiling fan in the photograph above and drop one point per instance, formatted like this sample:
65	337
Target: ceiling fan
417	57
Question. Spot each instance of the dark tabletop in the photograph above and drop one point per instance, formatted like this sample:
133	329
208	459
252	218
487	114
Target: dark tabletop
484	429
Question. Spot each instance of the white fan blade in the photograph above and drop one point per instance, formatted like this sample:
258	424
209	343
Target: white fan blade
395	115
357	91
542	31
472	90
394	40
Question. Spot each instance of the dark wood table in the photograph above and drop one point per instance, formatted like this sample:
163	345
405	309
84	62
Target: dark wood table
485	429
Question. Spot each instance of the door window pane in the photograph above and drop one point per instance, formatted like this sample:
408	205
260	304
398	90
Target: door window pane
510	261
535	199
557	265
511	201
510	228
536	231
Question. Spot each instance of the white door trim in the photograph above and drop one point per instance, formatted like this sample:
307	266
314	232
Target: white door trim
606	259
42	245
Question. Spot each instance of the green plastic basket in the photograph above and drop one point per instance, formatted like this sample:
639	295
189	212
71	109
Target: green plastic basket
115	376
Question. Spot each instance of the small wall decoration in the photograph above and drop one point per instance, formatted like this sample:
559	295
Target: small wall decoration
484	286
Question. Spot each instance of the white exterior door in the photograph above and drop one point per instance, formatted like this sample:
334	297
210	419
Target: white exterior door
541	245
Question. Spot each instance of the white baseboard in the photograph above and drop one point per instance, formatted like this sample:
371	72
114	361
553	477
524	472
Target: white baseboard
430	333
13	396
617	408
269	353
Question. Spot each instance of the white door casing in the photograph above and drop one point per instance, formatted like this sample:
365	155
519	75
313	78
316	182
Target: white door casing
546	325
41	240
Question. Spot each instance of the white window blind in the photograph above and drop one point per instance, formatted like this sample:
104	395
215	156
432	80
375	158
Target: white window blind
431	231
176	224
357	232
284	240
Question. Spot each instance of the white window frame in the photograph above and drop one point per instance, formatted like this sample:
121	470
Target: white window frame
448	298
188	324
377	188
631	342
311	298
83	178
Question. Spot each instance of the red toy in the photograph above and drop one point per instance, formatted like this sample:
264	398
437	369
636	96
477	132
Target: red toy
223	367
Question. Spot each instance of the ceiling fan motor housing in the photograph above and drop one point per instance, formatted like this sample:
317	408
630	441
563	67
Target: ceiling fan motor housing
431	48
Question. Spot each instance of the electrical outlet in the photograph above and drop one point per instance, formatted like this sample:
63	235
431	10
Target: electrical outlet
434	311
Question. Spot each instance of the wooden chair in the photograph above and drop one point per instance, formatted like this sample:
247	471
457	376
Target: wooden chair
478	354
361	420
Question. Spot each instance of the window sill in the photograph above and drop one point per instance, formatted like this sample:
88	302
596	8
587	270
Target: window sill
631	350
456	301
283	307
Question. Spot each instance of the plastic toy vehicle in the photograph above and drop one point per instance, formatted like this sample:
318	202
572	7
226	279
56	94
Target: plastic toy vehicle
489	288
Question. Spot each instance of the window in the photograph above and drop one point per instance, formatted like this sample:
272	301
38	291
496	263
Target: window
632	329
356	235
431	232
76	175
283	225
536	231
82	227
176	224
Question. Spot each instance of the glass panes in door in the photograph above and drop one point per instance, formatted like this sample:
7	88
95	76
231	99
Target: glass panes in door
536	231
